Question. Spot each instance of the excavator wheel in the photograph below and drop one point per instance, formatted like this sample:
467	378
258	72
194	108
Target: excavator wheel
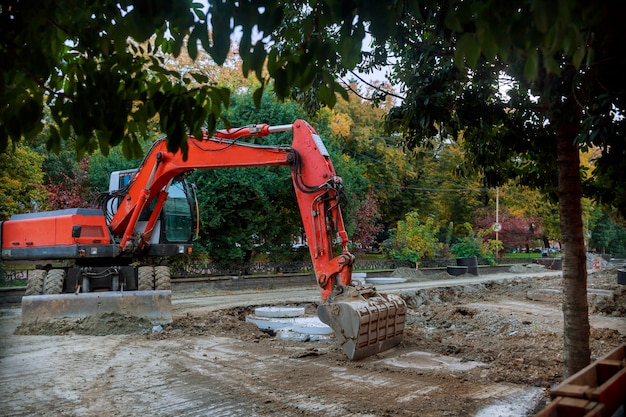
364	321
53	284
34	285
145	281
162	279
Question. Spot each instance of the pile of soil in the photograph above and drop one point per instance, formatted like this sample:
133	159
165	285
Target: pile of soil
224	323
526	268
101	324
524	348
416	275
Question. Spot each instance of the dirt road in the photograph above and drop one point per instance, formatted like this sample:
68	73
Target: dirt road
470	349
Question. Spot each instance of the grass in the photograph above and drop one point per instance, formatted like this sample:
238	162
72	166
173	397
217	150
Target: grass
522	255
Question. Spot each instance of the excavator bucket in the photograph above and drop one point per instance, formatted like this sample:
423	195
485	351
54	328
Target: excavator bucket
155	306
364	321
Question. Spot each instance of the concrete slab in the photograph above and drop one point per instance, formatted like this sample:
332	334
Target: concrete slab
311	325
288	334
279	312
383	281
290	328
270	323
426	360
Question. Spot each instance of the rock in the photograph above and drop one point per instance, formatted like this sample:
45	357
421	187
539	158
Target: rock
545	294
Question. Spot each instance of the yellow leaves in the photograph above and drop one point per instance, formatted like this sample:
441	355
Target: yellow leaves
416	240
522	201
20	180
587	158
341	124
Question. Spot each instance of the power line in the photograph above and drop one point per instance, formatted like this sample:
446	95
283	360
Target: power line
428	189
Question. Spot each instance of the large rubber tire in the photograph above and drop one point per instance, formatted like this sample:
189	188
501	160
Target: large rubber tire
34	285
145	278
162	278
53	284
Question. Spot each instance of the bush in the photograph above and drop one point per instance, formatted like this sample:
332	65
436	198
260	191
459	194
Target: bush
472	245
413	240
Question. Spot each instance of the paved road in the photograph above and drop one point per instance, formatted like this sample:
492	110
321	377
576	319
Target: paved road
219	300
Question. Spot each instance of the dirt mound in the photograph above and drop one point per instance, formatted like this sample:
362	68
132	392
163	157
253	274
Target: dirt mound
407	273
520	342
97	325
414	275
526	268
612	304
219	323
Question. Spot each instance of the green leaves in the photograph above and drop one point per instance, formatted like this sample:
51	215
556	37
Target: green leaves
102	87
452	21
327	96
536	33
413	239
220	23
467	51
579	56
21	177
20	113
531	66
257	96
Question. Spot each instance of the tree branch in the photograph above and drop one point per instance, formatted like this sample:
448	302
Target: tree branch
376	87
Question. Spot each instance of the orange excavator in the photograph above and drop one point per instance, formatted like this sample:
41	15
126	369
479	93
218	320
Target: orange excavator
107	259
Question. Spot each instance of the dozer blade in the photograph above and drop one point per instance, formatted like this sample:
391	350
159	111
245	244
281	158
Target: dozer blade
364	321
155	306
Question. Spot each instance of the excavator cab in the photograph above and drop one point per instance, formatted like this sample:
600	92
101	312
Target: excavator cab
178	221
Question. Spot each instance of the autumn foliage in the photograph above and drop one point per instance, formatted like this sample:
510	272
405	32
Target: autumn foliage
73	191
517	231
367	222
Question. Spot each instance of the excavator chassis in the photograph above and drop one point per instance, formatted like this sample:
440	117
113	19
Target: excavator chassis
153	305
364	321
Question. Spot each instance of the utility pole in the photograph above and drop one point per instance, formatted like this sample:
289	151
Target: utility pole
497	228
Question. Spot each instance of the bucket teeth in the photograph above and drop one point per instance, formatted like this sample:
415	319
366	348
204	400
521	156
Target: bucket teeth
365	322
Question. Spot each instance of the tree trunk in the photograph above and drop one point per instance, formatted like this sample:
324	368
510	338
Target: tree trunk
576	352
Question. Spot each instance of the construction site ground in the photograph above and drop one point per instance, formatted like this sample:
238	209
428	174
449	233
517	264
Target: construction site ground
473	346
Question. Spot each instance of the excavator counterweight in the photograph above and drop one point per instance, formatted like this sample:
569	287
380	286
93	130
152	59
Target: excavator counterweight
109	260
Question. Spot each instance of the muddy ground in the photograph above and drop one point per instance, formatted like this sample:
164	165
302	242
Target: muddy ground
469	350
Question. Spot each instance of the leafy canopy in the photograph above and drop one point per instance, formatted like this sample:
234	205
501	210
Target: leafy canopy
96	66
21	177
101	68
560	64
